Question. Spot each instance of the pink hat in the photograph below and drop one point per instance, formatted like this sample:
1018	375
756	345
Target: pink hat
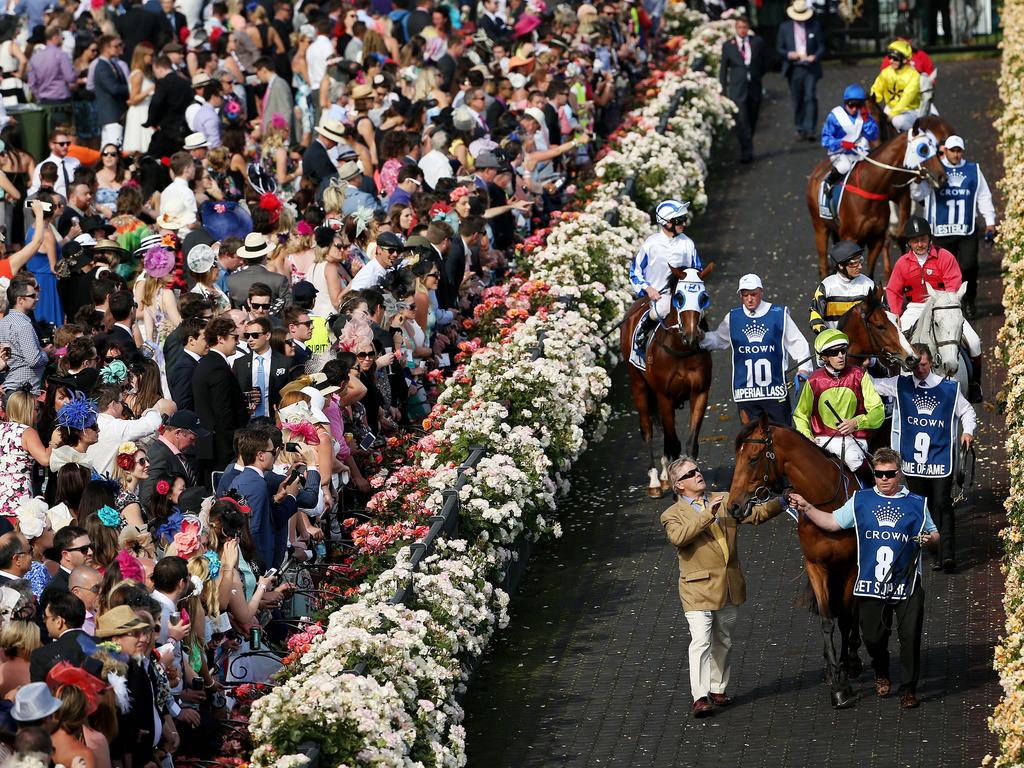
158	262
526	24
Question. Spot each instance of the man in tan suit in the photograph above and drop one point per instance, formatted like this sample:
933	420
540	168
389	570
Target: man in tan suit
711	583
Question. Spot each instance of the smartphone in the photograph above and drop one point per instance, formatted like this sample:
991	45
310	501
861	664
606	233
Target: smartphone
443	361
295	474
293	447
367	441
271	573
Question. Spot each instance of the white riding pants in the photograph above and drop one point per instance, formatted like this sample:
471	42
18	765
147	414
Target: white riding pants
852	450
905	120
971	339
663	306
843	161
710	643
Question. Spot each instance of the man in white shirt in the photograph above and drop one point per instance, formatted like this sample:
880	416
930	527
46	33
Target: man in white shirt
435	163
317	55
66	166
178	195
261	369
388	248
115	429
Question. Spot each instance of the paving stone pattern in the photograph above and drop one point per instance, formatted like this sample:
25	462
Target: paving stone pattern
593	669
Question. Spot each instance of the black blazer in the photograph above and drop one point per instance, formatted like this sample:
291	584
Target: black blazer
171	97
164	461
785	42
301	357
280	375
740	80
135	26
123	338
169	34
179	379
220	404
317	165
64	648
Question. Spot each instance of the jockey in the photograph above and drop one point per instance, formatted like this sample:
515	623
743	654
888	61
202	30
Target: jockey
897	89
839	404
838	292
763	339
651	273
846	133
926	68
907	294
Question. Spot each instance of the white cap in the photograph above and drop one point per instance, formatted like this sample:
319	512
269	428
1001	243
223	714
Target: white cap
86	240
953	142
749	282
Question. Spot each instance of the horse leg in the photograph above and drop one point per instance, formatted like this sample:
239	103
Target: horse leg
698	406
849	627
667	411
642	399
821	243
840	691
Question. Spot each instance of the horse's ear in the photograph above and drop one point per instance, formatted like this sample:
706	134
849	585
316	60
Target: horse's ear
931	291
961	290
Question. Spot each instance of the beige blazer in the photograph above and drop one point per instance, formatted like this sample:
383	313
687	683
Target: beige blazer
707	580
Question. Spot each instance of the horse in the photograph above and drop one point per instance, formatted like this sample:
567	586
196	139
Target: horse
940	327
872	333
863	212
677	370
770	459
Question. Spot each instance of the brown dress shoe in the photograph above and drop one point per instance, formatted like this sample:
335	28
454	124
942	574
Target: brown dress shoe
882	686
909	701
702	707
720	699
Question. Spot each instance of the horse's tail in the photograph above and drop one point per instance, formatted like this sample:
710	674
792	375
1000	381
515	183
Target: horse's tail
807	599
836	589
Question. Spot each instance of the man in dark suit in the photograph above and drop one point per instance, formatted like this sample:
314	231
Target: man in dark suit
171	97
220	402
317	165
136	26
261	368
191	306
464	251
740	74
256	454
15	557
179	376
169	455
64	616
448	63
300	329
254	254
801	44
172	22
111	83
121	306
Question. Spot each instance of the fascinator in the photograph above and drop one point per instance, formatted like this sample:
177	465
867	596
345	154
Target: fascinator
77	413
64	674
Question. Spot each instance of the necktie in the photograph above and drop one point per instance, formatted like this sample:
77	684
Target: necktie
261	410
717	532
745	48
64	173
117	71
190	474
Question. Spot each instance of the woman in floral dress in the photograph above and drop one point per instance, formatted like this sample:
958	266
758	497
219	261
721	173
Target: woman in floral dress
19	446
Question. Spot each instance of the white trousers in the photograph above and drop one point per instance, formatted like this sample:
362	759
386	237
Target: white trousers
905	120
844	161
852	450
710	643
911	312
662	306
111	133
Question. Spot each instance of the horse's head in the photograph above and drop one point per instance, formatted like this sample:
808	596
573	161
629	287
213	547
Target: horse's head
922	152
873	333
758	475
689	301
947	326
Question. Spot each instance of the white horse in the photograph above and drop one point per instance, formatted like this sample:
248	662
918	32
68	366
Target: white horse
940	327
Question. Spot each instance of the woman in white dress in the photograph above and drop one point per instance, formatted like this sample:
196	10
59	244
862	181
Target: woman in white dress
140	91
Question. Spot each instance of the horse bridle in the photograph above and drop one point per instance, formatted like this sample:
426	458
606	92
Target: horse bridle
946	342
887	357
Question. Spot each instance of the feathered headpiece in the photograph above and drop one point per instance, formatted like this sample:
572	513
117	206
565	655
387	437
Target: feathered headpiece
362	217
271	203
131	568
64	674
114	372
356	332
187	541
303	429
110	517
77	413
458	193
32	517
234	497
158	262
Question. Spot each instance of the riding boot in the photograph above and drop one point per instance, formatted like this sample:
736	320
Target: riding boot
974	394
642	333
866	475
833	178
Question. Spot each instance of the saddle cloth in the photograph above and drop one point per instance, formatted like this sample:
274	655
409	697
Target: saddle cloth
837	197
636	359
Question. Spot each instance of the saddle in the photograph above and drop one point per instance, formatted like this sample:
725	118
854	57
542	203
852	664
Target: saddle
828	208
637	359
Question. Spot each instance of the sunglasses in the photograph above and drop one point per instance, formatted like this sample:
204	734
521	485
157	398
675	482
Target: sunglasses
253	335
687	475
364	355
259	306
95	589
62	143
109	154
888	474
138	634
143	462
307	323
30	295
83	549
835	352
433	274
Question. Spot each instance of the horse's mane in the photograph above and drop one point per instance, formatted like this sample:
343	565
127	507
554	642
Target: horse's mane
871	302
750	427
932	123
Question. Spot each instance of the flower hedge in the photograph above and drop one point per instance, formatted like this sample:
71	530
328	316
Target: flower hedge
533	416
1007	721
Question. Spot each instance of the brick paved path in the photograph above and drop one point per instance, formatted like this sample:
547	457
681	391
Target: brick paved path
593	670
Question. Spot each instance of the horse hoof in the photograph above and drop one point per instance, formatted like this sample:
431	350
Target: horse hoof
666	486
854	667
843	699
654	493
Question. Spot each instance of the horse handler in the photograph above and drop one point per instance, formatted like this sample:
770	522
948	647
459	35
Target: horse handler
711	584
892	524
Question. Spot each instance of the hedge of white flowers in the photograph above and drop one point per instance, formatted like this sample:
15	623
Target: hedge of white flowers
534	418
1007	722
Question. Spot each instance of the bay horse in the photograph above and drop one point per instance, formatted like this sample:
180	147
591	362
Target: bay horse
872	333
677	370
864	208
772	459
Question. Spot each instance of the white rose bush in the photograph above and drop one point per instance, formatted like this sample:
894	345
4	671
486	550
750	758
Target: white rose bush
1007	721
378	685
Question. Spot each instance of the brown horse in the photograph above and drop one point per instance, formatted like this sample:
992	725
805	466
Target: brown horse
864	208
770	460
677	370
872	333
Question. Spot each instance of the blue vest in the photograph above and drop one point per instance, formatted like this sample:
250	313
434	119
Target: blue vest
951	209
924	427
886	527
758	355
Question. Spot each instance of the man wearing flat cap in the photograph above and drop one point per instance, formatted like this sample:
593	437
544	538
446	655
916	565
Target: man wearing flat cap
389	246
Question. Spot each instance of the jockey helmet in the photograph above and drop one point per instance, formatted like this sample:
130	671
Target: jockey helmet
670	210
901	49
844	251
854	92
916	226
830	338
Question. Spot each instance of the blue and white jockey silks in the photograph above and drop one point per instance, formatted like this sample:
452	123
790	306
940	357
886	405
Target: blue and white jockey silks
652	266
758	355
886	550
950	209
840	126
924	427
